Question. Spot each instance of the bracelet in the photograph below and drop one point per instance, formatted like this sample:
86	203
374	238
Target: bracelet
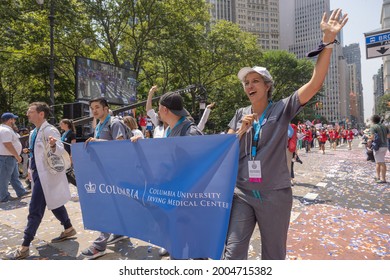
331	44
321	47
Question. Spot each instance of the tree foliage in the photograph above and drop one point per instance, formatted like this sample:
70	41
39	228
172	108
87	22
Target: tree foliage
383	105
171	43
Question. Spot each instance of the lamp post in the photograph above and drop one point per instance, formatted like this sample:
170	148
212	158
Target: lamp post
51	69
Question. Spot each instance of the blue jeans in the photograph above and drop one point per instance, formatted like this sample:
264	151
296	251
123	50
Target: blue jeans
9	173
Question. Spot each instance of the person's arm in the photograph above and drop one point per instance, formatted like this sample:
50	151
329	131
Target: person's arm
153	117
330	28
247	122
73	138
205	116
204	119
150	97
52	135
11	149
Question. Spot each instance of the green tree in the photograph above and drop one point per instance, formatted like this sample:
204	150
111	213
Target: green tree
383	105
24	65
171	43
207	55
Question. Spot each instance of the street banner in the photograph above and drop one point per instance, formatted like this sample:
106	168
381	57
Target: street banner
172	192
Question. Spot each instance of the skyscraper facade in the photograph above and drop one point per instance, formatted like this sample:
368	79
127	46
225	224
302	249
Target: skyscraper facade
353	58
378	89
307	36
259	17
221	9
385	21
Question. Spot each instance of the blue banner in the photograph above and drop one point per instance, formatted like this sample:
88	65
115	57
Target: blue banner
173	192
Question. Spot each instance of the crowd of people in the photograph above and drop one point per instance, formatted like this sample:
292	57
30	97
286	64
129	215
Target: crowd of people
263	193
310	136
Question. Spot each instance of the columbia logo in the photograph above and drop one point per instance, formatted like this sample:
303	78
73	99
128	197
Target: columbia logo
90	188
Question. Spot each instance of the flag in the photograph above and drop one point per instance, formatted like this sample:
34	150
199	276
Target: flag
308	123
172	192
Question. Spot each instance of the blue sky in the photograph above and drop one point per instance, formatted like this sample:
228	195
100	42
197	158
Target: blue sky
364	16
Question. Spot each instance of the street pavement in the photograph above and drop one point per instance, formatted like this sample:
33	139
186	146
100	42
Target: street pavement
339	213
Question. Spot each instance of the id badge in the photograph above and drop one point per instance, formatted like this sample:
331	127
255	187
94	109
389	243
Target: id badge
254	168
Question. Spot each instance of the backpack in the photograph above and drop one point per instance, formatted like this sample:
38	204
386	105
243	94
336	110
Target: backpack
185	127
128	133
377	139
292	138
376	142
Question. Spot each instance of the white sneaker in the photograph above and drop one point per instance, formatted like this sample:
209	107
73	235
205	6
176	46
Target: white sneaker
114	238
162	251
92	253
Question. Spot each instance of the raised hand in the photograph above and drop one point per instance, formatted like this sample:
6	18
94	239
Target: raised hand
153	89
332	26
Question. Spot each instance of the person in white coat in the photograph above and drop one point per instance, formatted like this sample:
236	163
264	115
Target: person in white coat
48	189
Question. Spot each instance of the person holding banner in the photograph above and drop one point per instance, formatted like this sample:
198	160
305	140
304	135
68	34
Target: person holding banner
49	189
263	192
106	129
172	112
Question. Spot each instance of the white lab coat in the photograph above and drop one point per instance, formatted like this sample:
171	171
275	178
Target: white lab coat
55	186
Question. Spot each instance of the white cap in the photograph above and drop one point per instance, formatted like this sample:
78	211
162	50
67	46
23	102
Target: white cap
257	69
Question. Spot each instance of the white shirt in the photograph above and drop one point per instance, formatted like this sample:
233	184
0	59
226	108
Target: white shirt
204	119
159	131
137	132
8	135
153	117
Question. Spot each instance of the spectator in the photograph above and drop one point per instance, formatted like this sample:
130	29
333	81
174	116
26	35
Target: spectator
68	137
10	150
379	155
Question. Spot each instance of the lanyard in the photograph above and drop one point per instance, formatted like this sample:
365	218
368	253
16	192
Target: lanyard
100	126
257	128
169	129
63	137
32	141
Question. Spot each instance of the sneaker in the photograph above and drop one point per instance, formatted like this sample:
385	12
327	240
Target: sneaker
162	251
380	181
298	160
17	254
26	193
10	198
92	253
64	236
114	238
